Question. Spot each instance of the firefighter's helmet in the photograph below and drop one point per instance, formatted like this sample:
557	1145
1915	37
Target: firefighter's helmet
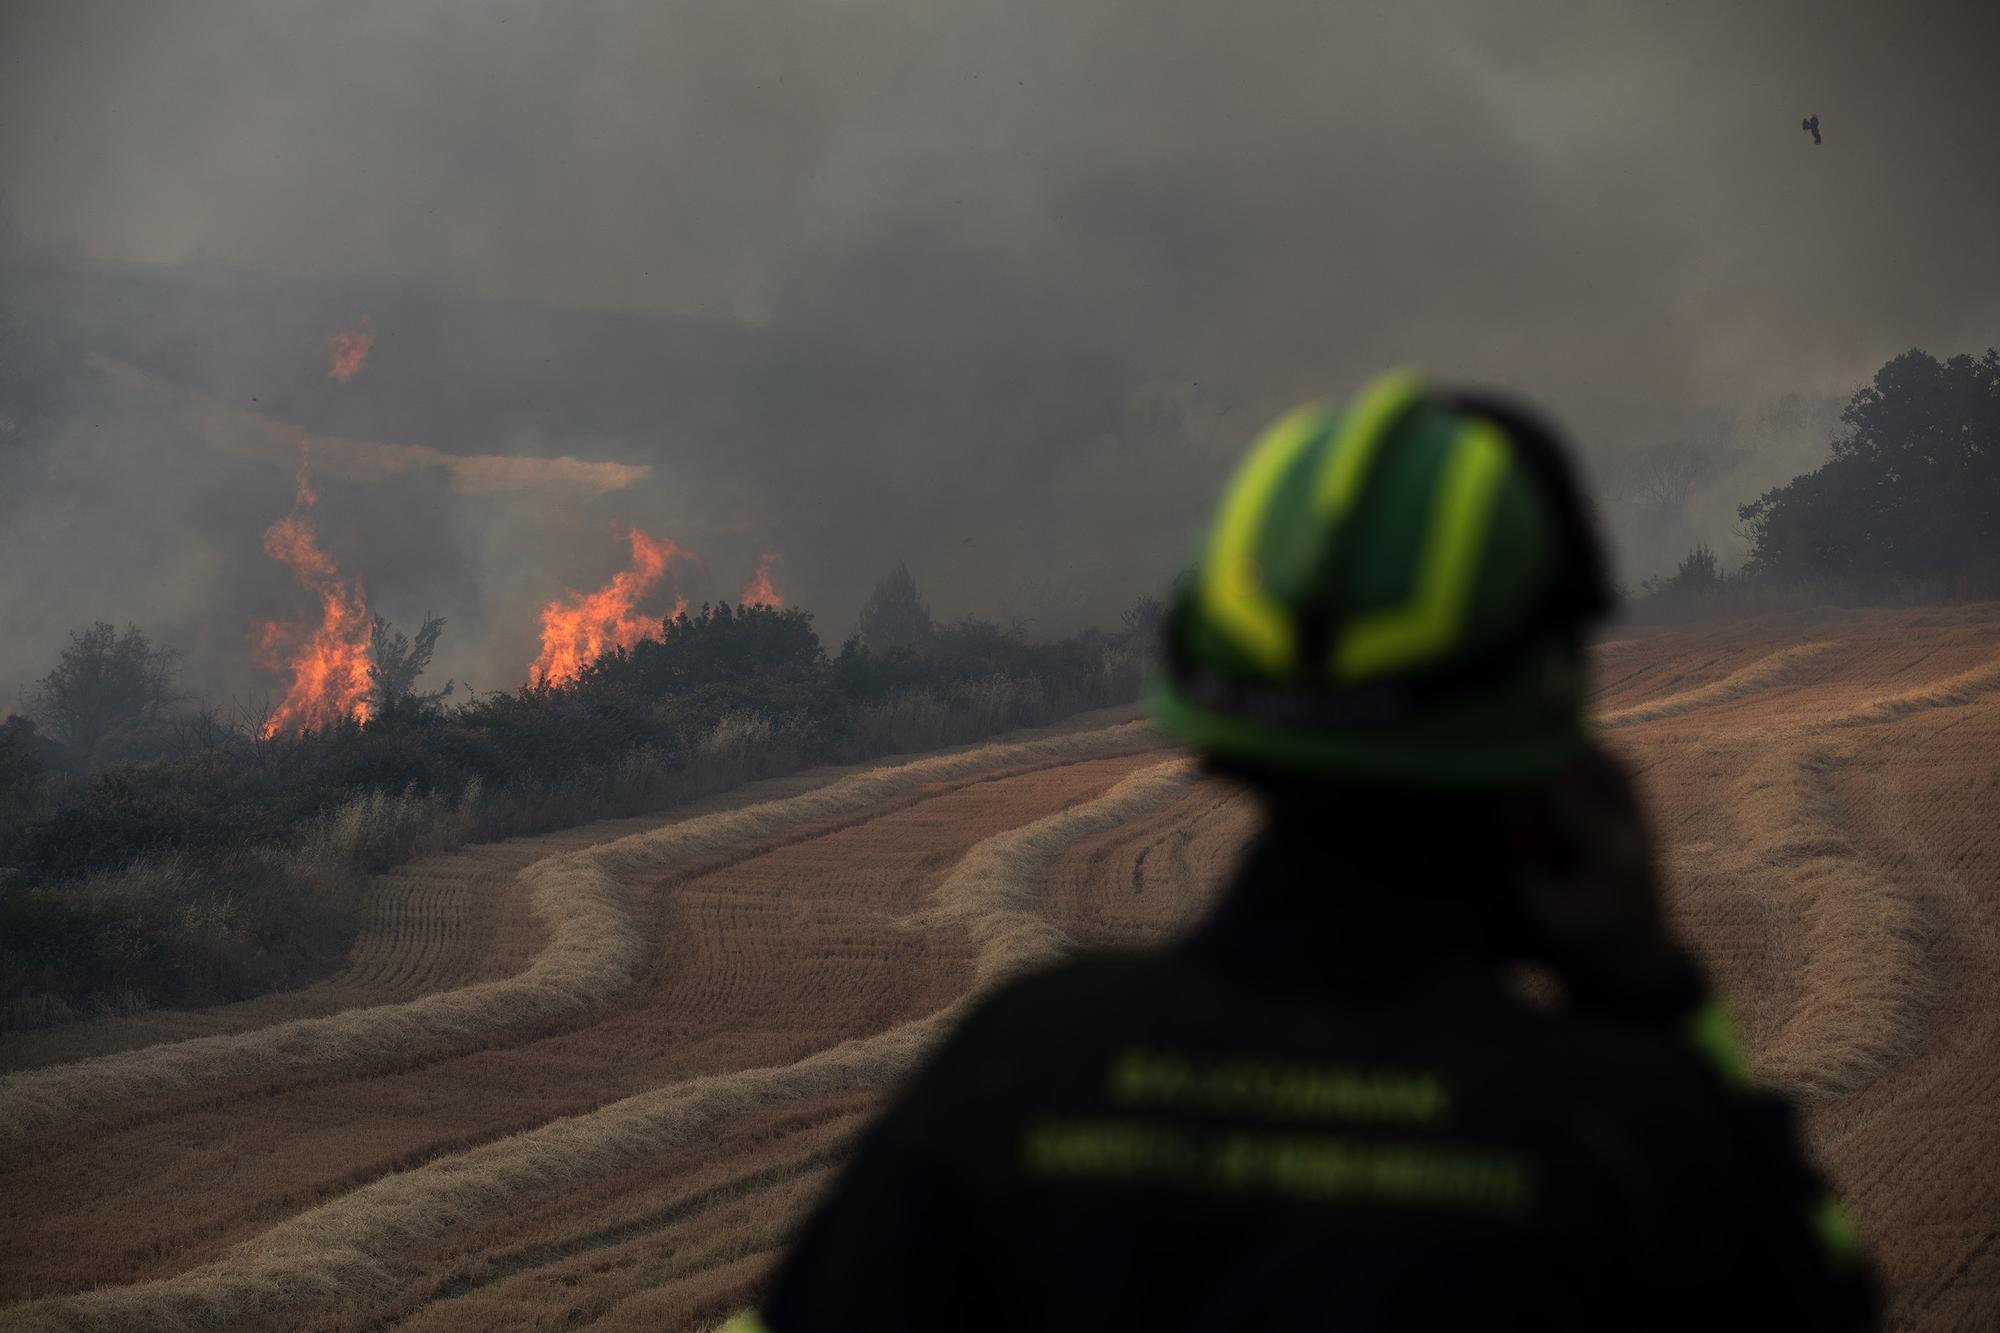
1395	590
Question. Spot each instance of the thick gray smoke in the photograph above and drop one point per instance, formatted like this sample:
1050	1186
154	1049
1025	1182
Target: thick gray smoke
998	288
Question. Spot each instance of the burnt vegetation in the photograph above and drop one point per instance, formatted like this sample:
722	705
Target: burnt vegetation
223	864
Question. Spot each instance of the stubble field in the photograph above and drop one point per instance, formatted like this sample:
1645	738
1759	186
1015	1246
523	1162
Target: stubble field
593	1078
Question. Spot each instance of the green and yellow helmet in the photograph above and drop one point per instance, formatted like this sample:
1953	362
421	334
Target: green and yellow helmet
1394	591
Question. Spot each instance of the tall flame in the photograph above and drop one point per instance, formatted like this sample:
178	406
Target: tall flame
329	662
758	591
350	349
581	627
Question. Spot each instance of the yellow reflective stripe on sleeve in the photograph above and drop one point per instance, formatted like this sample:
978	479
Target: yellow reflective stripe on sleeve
1425	625
747	1322
1232	584
1713	1033
1362	430
1836	1229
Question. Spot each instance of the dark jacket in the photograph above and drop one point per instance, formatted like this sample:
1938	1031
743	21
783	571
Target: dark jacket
1323	1110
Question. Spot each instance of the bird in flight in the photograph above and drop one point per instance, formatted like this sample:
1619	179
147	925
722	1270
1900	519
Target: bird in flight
1811	126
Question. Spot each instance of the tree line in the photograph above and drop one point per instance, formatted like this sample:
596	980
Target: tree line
1908	500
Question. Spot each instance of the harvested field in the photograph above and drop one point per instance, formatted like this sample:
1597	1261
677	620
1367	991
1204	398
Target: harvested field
594	1077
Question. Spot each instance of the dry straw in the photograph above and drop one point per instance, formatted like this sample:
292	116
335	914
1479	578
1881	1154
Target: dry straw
1765	673
340	1252
1865	989
591	953
1867	986
1951	692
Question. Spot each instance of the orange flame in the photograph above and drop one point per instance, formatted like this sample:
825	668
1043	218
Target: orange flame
582	627
350	349
305	497
759	592
329	663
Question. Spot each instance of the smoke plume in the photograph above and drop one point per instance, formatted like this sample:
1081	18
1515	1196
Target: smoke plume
999	289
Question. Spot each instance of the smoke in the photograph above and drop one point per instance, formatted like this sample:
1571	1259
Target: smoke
1000	290
266	439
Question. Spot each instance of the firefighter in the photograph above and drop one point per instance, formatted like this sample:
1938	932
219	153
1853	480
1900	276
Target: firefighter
1334	1105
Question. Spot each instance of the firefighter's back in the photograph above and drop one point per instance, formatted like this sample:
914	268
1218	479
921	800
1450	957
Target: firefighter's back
1148	1141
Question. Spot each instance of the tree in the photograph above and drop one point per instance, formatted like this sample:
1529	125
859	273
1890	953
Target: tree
894	616
746	647
395	663
104	684
1143	618
1661	478
24	757
1698	573
1912	489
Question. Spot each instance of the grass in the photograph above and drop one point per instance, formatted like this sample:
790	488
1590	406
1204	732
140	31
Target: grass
590	954
1775	669
1856	940
1863	993
256	920
1951	692
343	1251
1837	872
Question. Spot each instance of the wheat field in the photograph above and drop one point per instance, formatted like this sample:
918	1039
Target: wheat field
595	1077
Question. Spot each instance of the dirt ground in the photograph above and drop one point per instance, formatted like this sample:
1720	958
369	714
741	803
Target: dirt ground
595	1077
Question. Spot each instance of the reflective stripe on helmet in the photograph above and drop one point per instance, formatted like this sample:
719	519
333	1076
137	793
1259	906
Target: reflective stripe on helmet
1232	587
1392	588
1363	428
1232	583
1432	618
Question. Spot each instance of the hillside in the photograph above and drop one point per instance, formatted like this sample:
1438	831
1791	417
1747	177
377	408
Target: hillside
597	1075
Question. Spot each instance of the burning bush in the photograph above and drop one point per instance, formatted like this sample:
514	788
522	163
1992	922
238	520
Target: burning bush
581	627
759	592
329	661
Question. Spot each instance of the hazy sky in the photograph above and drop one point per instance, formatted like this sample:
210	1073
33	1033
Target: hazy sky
1023	273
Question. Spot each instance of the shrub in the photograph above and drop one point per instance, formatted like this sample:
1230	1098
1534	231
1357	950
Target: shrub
236	867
